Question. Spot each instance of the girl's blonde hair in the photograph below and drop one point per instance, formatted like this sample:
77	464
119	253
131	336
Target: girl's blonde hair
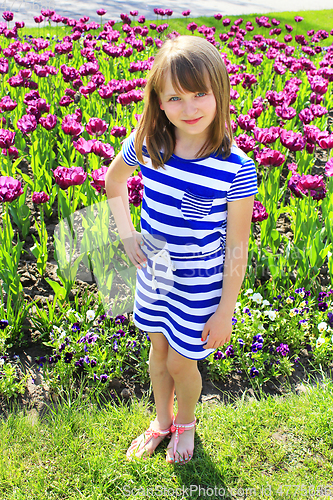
189	59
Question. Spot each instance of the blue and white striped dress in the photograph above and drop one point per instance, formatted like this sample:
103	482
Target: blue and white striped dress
183	223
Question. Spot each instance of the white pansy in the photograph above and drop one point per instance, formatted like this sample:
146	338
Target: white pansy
320	341
266	303
301	294
2	361
257	312
289	300
78	316
90	315
322	327
261	327
292	313
61	333
257	297
248	291
303	303
271	314
69	312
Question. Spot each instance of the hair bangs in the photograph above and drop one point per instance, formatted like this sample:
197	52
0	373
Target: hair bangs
188	76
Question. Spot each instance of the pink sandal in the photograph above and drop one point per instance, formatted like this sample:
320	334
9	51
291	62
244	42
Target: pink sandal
179	429
149	434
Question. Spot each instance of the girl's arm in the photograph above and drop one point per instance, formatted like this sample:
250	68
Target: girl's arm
117	194
236	256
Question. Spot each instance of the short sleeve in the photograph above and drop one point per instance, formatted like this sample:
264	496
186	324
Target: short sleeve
128	151
245	182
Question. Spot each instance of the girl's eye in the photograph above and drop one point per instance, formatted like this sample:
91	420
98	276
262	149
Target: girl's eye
173	99
200	94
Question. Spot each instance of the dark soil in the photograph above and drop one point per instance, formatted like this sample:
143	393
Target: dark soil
36	288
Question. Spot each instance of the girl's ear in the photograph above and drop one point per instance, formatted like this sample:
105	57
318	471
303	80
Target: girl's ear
160	103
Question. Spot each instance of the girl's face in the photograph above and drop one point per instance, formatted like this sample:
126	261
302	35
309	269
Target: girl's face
190	112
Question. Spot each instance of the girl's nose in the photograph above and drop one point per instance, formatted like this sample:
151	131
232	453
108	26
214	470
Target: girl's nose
190	107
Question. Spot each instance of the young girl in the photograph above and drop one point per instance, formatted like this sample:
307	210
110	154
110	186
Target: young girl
195	222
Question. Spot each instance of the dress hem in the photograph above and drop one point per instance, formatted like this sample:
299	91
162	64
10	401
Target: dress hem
160	330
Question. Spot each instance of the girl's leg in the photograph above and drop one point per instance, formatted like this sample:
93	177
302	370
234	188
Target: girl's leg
188	385
163	389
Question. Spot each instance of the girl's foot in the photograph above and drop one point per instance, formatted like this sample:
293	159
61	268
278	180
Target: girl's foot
147	442
181	445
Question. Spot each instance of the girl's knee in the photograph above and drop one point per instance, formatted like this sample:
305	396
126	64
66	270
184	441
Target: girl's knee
178	365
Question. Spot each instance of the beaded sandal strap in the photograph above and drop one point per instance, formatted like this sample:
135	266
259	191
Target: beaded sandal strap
179	429
150	433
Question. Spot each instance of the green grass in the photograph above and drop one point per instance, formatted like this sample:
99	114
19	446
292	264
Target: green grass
259	445
313	19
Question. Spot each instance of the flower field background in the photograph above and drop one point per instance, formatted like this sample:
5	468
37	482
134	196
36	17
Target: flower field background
69	95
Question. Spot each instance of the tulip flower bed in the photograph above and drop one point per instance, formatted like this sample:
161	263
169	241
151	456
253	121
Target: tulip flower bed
66	104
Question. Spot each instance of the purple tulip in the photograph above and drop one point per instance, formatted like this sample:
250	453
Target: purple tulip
69	74
306	116
84	147
71	126
245	142
293	185
69	176
101	12
38	19
298	19
27	124
88	89
186	13
41	197
8	16
325	141
4	66
103	150
311	133
285	113
275	98
329	168
248	80
48	122
105	91
192	27
255	59
266	135
259	212
292	141
7	138
118	131
12	152
99	179
246	122
96	127
316	98
129	97
318	110
10	189
65	101
135	189
7	104
270	157
318	84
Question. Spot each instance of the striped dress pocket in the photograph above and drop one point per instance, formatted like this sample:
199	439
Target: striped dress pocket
195	207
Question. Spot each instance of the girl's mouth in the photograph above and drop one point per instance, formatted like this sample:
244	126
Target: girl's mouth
192	122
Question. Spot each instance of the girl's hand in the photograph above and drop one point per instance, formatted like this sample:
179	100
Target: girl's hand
132	246
219	330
